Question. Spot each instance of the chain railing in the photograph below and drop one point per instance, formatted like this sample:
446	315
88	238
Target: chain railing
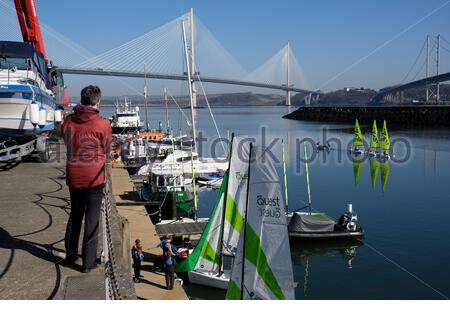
118	283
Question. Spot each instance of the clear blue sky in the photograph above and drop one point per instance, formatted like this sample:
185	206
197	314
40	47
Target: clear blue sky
327	36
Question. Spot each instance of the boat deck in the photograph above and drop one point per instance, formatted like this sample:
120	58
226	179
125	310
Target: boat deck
177	229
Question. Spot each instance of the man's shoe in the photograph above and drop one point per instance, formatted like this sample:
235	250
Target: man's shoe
69	263
87	270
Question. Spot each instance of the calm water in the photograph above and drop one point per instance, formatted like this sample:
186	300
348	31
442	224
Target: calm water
406	251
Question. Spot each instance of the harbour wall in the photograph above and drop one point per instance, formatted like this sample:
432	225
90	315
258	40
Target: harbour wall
396	116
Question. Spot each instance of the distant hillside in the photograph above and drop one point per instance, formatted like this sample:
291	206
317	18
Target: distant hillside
225	99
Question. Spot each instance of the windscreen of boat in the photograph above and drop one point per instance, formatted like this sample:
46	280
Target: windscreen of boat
126	115
8	63
19	52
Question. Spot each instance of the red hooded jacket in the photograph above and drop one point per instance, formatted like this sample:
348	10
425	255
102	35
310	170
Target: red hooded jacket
88	141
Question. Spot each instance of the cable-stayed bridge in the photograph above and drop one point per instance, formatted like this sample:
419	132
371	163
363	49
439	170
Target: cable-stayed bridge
159	54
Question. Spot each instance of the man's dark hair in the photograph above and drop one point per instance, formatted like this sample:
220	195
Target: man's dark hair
90	95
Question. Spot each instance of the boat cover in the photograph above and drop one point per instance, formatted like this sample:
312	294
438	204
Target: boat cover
310	223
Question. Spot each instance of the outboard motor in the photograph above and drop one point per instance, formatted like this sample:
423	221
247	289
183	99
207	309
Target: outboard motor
351	225
347	221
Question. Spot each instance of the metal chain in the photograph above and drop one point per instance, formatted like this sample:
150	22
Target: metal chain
112	287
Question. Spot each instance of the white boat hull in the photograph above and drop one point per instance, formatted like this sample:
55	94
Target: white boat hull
209	279
15	103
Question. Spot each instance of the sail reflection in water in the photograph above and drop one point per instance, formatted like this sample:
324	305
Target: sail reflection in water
304	254
374	166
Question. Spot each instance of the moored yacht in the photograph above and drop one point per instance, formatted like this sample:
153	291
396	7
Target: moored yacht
29	91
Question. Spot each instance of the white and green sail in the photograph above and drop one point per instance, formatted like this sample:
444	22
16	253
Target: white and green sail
221	234
357	136
385	142
374	140
262	266
206	255
236	193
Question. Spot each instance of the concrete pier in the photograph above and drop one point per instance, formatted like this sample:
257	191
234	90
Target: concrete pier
139	226
34	208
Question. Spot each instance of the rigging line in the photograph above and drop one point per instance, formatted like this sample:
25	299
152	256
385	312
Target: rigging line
415	62
212	115
182	112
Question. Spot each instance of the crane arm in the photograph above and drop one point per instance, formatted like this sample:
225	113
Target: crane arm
29	24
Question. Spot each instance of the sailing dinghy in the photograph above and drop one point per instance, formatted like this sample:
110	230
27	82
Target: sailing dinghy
385	143
374	141
358	142
221	235
262	266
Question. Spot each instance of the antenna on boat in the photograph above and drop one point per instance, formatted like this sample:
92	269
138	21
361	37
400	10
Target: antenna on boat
307	177
145	97
190	83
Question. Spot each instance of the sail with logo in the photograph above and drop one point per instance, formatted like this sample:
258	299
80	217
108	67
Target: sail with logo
262	266
374	140
385	142
221	235
358	142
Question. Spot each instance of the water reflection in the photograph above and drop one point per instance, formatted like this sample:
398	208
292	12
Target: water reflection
374	166
305	252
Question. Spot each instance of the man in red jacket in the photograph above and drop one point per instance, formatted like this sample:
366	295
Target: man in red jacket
88	141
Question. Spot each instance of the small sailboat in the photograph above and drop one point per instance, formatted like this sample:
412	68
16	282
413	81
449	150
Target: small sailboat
374	141
308	225
205	266
358	142
262	267
385	143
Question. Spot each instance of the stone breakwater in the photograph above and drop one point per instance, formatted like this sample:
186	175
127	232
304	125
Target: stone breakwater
398	116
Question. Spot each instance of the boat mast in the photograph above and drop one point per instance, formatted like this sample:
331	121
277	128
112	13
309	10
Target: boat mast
245	222
307	178
145	98
191	99
222	227
166	106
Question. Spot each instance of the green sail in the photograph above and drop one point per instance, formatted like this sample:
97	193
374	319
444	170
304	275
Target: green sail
357	137
374	168
203	250
357	167
385	142
385	169
374	141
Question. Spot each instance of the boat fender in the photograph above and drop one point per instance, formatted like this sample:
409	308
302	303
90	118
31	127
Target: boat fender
34	113
58	115
42	117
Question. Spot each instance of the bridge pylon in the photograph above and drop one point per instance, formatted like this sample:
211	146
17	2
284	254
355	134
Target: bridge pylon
288	74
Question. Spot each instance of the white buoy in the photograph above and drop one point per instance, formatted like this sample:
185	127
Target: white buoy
42	117
58	115
34	113
349	208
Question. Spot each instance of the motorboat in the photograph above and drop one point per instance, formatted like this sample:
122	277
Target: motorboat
30	92
184	160
126	118
319	226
